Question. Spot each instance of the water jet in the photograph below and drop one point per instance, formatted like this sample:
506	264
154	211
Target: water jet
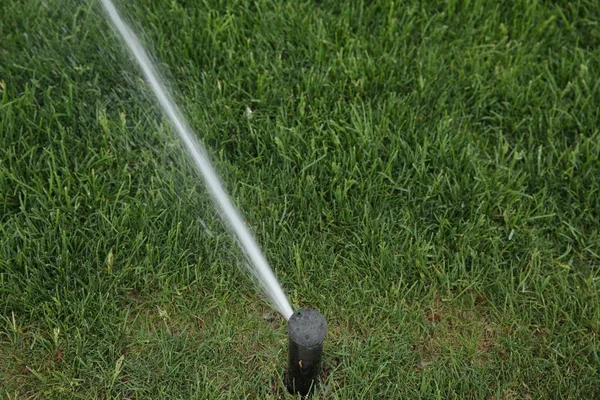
306	331
259	267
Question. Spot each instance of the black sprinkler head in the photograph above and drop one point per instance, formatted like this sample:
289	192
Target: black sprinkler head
306	330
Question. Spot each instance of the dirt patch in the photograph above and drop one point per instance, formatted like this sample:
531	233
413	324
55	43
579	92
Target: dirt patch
454	330
15	376
324	389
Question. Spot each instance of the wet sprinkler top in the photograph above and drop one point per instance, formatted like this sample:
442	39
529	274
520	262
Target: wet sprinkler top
307	327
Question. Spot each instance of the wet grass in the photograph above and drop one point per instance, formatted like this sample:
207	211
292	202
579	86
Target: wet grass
426	175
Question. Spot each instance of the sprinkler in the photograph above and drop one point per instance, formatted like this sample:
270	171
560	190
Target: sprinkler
306	330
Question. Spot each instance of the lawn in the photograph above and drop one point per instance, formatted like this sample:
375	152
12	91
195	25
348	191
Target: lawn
426	174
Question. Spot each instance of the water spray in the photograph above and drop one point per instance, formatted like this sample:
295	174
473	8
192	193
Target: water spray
306	331
229	214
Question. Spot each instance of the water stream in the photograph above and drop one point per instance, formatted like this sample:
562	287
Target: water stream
258	264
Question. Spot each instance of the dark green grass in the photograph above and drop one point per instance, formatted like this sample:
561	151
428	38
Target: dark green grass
424	173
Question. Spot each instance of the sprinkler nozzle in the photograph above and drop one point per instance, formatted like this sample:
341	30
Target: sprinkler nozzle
306	330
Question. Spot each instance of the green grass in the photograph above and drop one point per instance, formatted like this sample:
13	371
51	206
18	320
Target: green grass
426	174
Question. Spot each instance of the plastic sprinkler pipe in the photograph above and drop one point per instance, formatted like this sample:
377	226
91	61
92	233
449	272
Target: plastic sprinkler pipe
306	330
